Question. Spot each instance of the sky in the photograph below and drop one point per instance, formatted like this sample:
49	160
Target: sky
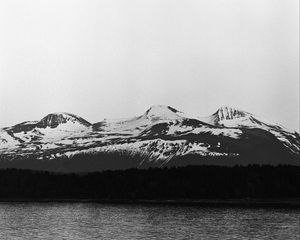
114	58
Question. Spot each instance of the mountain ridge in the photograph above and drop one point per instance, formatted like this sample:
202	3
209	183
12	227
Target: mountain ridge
161	134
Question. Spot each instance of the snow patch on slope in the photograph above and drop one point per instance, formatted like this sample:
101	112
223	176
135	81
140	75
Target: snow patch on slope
6	140
155	114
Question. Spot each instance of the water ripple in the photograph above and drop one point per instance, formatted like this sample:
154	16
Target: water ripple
104	221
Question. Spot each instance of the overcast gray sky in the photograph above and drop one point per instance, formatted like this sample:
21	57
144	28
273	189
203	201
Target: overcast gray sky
115	58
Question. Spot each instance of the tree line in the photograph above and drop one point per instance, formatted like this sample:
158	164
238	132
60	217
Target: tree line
189	182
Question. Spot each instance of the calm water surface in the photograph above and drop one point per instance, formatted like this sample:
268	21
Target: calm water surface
105	221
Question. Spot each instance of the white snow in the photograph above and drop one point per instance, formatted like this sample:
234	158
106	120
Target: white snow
176	129
228	132
162	112
157	149
238	122
156	114
49	146
6	140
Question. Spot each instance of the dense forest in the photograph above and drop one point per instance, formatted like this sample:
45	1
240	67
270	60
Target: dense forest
190	182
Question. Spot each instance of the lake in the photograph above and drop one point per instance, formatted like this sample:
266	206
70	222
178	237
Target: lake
142	221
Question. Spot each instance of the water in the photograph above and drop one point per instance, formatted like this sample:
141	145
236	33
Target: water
105	221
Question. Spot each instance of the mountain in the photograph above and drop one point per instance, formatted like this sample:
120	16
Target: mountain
155	114
53	120
27	136
233	118
225	114
162	136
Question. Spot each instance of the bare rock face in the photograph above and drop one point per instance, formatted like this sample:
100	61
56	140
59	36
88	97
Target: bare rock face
229	113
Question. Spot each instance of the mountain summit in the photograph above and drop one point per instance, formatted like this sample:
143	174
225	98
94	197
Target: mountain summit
162	112
54	119
229	113
225	114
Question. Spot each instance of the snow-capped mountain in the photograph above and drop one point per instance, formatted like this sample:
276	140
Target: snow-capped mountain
225	114
55	119
159	136
155	114
233	118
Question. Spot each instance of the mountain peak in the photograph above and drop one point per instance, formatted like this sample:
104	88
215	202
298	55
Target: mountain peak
157	112
162	108
52	120
229	113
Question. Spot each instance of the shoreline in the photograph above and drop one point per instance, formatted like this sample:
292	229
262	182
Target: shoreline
247	203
